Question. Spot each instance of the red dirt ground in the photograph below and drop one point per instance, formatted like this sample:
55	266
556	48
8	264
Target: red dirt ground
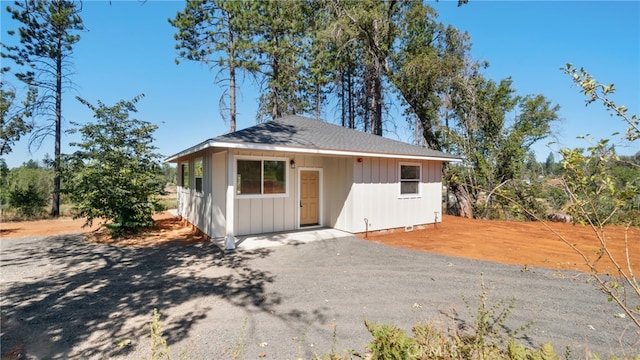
521	243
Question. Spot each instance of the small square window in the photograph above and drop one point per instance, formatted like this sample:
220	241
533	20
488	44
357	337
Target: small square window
410	179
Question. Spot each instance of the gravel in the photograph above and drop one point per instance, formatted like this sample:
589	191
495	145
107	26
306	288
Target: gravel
63	298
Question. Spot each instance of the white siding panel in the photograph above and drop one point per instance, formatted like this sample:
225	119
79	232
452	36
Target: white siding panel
375	195
338	177
279	214
243	216
197	208
218	196
267	215
290	203
255	214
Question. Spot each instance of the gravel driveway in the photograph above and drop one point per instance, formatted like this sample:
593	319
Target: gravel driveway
63	298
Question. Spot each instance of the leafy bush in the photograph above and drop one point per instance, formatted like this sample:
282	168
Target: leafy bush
599	194
28	201
556	196
116	175
27	189
390	342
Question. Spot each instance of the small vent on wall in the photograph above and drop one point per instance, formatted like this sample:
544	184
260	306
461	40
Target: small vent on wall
408	228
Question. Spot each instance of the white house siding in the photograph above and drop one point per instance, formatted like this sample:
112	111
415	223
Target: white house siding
269	214
193	205
205	210
218	173
375	196
338	176
352	191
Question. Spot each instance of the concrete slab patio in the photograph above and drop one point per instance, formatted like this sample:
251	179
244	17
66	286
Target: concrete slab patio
299	237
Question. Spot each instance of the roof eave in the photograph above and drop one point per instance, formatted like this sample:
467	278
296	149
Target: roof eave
186	152
211	143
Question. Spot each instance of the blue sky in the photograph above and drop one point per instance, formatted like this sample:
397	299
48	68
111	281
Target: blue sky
129	49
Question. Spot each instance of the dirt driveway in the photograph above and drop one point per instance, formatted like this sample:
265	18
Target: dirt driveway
519	243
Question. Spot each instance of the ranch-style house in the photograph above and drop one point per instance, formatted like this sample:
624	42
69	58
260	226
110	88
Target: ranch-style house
295	173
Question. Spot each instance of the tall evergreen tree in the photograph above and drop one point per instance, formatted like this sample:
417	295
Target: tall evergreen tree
48	33
280	43
216	33
320	55
371	25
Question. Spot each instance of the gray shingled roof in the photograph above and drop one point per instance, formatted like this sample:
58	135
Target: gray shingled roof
298	131
304	133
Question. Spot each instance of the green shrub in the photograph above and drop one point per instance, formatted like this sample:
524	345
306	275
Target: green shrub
116	175
29	201
556	196
390	342
26	189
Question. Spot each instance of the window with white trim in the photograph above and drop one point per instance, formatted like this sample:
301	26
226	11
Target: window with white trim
197	172
184	169
260	177
410	176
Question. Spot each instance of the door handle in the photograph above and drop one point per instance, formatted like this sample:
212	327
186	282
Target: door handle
300	203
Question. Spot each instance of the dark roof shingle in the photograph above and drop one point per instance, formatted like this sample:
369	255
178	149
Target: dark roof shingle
302	132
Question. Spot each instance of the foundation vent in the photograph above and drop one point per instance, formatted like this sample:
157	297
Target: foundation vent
408	228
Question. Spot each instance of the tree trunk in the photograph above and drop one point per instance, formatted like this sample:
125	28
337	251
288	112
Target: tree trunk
376	102
275	110
318	102
352	116
232	100
463	199
232	77
55	203
343	102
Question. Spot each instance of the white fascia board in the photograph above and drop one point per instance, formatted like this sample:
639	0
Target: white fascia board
327	151
265	147
203	145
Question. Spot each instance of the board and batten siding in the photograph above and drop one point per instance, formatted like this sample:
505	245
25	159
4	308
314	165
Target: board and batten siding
338	176
206	209
375	196
352	191
272	214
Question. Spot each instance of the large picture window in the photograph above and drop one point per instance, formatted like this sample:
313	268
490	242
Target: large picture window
184	169
261	177
198	174
410	179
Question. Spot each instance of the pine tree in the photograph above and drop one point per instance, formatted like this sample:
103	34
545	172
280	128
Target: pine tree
280	44
215	32
47	36
372	26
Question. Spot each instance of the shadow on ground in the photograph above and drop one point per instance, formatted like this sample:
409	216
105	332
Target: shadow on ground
67	298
